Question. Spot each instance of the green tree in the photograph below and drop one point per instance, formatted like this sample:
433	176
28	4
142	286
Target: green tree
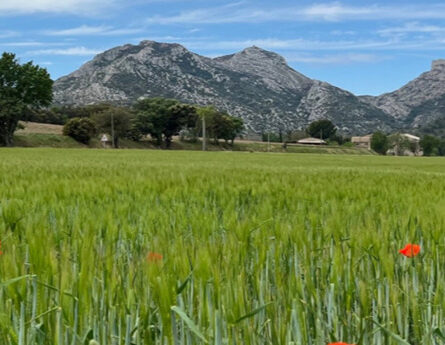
21	87
224	126
116	121
441	148
163	118
152	116
430	145
80	129
379	143
323	129
180	116
400	144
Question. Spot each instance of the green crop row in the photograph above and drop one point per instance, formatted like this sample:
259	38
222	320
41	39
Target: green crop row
150	247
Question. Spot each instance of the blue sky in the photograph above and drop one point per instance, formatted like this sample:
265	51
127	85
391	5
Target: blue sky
361	46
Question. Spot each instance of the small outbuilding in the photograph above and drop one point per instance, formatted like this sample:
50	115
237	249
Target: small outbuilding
311	141
364	141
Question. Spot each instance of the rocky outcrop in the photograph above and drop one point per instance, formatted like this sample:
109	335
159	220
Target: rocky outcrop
418	102
254	84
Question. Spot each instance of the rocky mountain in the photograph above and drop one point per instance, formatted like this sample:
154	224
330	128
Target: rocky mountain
419	103
254	84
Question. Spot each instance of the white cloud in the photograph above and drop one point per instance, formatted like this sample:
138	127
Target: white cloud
335	11
75	51
8	7
339	59
8	34
86	30
290	44
413	27
307	45
21	44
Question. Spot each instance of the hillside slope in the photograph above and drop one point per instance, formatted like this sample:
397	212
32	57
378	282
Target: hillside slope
254	84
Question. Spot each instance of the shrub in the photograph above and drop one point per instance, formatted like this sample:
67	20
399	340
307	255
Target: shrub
80	129
379	143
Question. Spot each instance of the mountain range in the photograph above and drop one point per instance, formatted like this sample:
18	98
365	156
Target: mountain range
254	84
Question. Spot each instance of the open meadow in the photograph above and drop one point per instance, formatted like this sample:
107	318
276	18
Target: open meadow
121	247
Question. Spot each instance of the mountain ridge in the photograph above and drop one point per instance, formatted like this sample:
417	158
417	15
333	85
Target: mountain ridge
255	84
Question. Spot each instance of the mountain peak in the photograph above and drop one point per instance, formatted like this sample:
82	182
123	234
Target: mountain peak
255	52
254	84
438	65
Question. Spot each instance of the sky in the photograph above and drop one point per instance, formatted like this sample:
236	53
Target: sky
361	46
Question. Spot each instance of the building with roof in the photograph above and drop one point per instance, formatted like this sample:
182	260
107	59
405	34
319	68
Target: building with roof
364	141
311	141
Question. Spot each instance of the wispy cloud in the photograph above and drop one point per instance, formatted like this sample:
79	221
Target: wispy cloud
413	27
335	11
337	59
74	51
298	44
8	34
86	30
8	7
21	44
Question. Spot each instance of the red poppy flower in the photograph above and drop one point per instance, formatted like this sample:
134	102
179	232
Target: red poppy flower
154	257
410	250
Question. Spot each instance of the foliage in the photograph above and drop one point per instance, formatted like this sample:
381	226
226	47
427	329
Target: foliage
380	143
400	144
154	116
47	115
80	129
236	231
272	137
323	129
116	121
180	116
219	125
294	135
429	145
226	127
21	87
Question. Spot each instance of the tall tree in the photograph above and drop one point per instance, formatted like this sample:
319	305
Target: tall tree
179	116
152	115
379	143
224	126
163	118
322	129
21	87
430	145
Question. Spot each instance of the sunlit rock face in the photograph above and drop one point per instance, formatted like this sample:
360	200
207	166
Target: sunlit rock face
254	84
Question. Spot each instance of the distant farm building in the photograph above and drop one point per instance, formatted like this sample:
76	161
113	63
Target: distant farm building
364	141
411	137
405	144
311	141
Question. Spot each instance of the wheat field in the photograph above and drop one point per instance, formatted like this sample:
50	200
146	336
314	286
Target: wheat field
153	247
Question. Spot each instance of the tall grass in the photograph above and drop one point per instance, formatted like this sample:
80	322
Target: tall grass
256	248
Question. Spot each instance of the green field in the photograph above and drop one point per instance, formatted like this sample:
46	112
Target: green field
256	248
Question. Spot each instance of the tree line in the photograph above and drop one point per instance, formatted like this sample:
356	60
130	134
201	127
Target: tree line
26	94
160	118
429	144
